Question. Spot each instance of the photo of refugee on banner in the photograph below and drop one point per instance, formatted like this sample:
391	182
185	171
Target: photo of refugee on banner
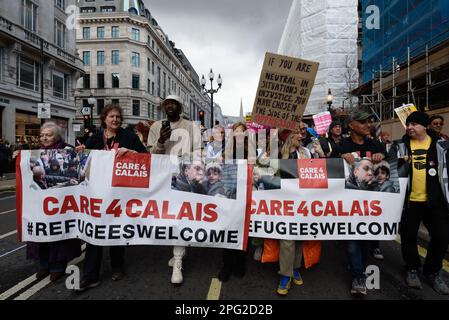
212	179
315	201
364	175
57	168
129	200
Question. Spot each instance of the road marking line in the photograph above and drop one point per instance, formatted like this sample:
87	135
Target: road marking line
7	198
23	284
8	234
12	251
44	282
5	295
214	290
423	253
6	212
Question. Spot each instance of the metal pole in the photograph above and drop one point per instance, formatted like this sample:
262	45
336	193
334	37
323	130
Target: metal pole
408	75
427	77
212	110
42	75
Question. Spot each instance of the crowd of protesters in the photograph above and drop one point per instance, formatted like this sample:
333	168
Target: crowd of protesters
367	154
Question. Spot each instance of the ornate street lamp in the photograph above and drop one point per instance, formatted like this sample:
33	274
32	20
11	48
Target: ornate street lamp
330	100
211	91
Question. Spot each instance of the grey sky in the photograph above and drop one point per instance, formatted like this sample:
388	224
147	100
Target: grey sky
230	36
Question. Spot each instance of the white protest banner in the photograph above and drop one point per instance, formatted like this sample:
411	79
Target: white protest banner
404	111
139	199
284	90
322	122
324	199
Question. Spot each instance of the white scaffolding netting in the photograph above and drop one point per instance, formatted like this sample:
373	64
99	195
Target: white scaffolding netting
325	31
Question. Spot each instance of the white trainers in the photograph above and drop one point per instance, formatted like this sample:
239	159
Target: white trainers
171	262
176	277
258	253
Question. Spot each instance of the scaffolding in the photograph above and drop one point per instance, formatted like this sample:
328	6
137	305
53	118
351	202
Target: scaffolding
411	82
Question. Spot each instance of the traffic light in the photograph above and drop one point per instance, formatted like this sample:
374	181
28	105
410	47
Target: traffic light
201	115
86	120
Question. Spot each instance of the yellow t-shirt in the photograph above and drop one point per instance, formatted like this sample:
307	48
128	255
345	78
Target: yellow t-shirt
419	160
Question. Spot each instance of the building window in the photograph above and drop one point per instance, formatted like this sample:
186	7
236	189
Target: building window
115	32
115	80
60	4
135	34
136	82
86	82
60	33
115	57
135	59
86	58
86	33
136	108
88	10
100	58
149	65
107	9
152	68
116	102
29	15
164	86
152	44
100	106
60	85
150	111
152	88
2	63
100	80
159	82
100	32
28	73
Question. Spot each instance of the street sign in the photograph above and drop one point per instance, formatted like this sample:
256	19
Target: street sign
85	111
76	128
44	110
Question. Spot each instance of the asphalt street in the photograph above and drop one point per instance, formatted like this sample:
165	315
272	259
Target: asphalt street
148	276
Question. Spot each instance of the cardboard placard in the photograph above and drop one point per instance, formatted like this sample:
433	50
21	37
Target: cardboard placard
284	89
404	111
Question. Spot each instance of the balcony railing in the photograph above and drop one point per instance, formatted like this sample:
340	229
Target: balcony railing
19	33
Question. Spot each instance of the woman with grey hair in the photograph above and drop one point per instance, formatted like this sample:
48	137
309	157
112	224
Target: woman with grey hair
53	256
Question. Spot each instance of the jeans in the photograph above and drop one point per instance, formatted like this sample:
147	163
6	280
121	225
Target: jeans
436	220
357	251
94	257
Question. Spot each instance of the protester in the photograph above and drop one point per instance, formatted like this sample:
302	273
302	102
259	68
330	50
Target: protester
163	139
356	147
238	146
329	144
52	256
385	140
111	137
436	124
425	203
290	254
4	159
215	147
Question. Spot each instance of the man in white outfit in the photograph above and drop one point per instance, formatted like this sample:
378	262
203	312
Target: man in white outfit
181	138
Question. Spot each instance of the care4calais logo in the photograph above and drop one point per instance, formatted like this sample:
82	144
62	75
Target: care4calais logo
312	174
132	171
